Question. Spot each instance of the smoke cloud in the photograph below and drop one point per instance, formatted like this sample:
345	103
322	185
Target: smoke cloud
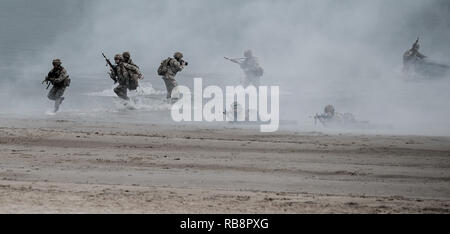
346	53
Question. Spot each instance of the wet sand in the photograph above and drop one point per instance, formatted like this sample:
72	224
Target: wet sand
64	166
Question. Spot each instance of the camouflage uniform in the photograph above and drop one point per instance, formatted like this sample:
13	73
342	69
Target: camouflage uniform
175	65
123	76
127	59
59	78
135	74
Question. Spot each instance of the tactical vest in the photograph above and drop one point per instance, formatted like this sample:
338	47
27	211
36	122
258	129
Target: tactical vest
55	74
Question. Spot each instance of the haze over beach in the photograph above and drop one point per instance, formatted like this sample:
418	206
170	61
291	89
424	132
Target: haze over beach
345	53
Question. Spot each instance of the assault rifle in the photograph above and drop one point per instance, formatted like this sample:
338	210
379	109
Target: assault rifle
47	81
234	60
113	68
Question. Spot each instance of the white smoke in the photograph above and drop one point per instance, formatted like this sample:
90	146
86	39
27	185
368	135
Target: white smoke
346	53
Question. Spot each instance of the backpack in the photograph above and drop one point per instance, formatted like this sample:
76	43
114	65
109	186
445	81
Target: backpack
164	67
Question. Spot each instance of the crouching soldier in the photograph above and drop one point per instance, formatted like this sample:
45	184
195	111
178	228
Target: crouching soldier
122	73
59	78
135	74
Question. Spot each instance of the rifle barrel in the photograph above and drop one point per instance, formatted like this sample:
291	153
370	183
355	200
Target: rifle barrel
234	58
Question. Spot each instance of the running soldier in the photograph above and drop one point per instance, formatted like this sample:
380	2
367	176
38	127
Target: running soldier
168	69
59	78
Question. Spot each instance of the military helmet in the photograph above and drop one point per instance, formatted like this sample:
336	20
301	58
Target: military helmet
178	55
126	55
56	62
118	57
329	109
248	54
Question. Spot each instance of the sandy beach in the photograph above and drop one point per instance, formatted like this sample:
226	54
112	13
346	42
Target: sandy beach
73	166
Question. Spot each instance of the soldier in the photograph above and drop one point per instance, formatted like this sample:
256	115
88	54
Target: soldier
330	116
168	69
59	78
135	74
122	73
252	70
127	58
411	56
329	112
